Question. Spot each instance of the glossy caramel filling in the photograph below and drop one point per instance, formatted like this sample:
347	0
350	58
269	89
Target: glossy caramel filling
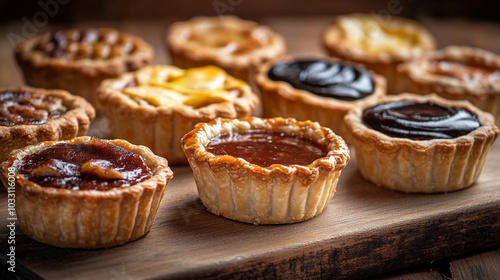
95	165
229	39
463	71
165	85
25	108
265	148
86	44
420	121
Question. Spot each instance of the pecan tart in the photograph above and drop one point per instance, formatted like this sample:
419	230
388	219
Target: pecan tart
77	60
233	44
32	115
157	105
457	73
316	89
265	171
86	192
378	42
421	144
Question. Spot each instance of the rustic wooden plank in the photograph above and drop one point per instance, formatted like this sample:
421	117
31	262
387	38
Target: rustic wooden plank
479	266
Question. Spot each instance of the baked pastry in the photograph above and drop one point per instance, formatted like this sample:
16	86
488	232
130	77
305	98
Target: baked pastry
457	73
421	144
378	42
85	192
77	60
316	89
157	105
233	44
32	115
287	171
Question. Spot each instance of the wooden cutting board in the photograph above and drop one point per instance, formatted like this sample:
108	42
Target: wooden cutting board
364	230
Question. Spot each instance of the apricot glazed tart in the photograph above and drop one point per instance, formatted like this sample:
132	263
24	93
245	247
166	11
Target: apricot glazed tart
157	105
378	42
32	115
421	144
86	192
265	171
77	60
233	44
316	89
457	73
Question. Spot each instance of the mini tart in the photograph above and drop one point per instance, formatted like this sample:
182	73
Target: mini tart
457	73
378	42
86	218
157	114
233	44
76	114
80	59
281	99
277	194
421	166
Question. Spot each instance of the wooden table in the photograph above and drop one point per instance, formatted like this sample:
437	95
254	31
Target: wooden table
364	231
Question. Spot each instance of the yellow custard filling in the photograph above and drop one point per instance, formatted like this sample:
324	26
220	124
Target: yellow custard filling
165	85
373	35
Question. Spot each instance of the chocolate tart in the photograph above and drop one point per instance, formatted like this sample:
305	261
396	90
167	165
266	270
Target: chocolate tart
77	60
421	144
157	105
274	193
88	193
457	73
316	89
32	115
378	42
231	43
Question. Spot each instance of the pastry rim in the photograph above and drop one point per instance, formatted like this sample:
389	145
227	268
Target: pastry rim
74	122
143	51
332	41
176	44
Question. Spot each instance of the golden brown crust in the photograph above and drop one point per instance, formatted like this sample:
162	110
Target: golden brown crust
414	76
249	193
280	99
75	122
438	165
80	77
383	63
241	65
161	127
87	218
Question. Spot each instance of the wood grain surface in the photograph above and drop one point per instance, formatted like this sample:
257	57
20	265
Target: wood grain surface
363	231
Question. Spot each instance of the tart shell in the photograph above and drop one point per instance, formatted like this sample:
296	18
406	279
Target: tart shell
245	192
87	218
75	122
432	166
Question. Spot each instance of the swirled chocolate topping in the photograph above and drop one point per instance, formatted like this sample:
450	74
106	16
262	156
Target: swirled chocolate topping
420	121
325	78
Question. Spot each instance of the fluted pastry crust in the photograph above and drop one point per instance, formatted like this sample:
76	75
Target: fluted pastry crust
75	122
239	190
239	65
81	76
87	218
383	62
161	127
414	76
280	99
432	166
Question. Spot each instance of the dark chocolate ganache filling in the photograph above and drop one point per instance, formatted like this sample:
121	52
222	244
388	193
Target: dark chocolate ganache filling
25	108
95	165
325	78
265	148
420	121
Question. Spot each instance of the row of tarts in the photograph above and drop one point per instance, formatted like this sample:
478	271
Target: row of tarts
72	190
